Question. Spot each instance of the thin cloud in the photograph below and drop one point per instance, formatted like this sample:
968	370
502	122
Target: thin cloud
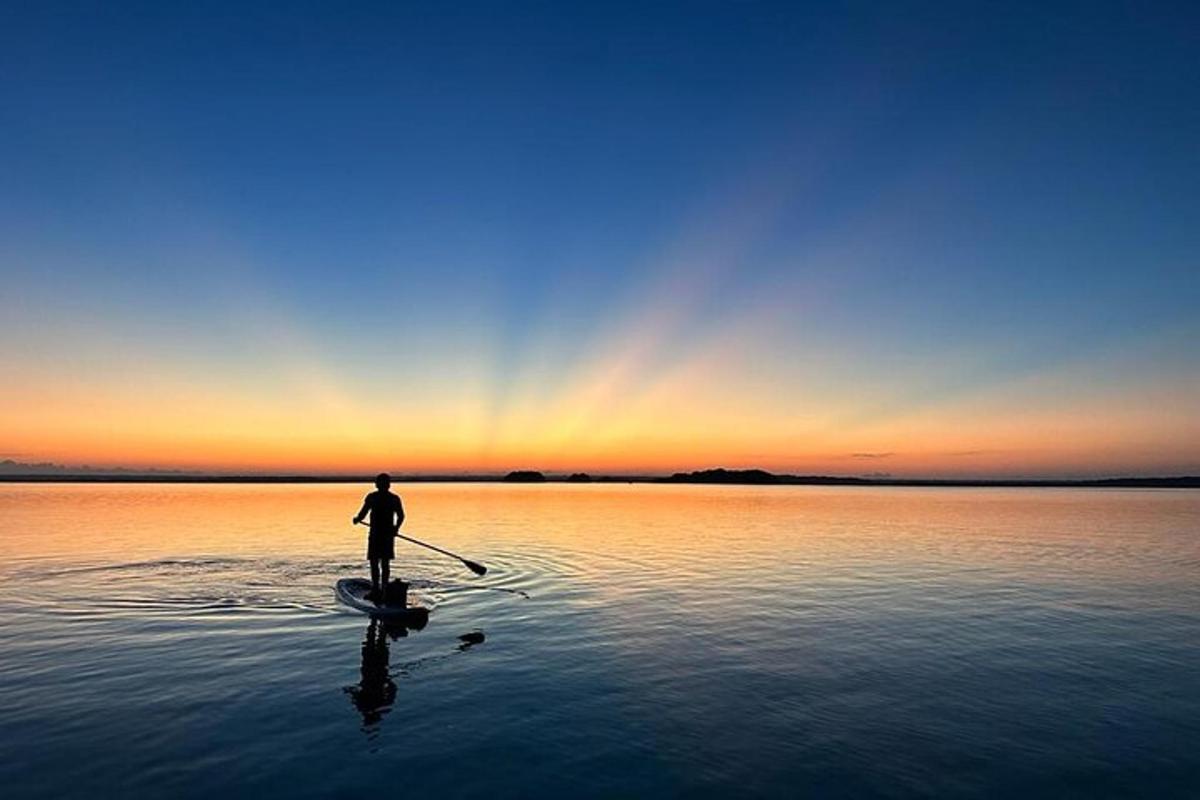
887	454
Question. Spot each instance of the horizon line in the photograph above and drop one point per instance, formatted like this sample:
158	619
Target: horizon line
711	476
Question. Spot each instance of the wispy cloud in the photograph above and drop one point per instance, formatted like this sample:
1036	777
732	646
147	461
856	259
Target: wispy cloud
887	454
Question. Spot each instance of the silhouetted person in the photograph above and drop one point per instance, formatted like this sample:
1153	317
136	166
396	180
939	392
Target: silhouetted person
376	691
387	515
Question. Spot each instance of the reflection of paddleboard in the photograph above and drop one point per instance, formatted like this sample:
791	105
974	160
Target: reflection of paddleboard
353	592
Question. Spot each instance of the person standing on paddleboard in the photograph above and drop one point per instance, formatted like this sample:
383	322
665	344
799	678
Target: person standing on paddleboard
387	515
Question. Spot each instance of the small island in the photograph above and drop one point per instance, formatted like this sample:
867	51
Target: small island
525	476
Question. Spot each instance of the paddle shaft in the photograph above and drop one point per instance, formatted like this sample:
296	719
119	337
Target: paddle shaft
430	546
471	565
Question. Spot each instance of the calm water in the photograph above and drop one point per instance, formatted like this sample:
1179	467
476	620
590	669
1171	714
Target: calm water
676	641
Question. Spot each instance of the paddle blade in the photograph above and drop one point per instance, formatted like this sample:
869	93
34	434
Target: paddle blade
478	569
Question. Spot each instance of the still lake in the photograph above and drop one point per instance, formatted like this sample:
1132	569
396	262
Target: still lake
637	641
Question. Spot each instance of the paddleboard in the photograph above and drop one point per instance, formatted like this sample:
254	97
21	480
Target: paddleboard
353	593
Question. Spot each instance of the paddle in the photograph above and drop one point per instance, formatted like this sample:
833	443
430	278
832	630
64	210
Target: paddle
478	569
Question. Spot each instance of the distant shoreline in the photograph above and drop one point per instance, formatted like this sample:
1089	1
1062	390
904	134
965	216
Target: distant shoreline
705	477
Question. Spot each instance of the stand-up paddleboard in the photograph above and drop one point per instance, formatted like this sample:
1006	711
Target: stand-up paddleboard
353	592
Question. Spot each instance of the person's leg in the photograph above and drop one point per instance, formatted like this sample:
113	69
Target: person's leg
385	571
375	575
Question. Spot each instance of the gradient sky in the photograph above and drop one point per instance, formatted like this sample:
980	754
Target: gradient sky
942	239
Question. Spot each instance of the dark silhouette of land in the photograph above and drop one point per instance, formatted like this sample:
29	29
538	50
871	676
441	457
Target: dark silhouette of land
525	476
12	471
762	477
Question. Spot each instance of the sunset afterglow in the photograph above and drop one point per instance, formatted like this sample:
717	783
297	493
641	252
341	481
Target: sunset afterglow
747	258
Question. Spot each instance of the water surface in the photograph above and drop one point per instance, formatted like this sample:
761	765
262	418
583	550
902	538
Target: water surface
183	640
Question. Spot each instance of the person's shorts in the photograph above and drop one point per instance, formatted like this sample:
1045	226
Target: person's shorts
381	545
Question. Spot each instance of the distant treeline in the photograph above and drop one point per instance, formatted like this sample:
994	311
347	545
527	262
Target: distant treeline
762	477
525	476
46	473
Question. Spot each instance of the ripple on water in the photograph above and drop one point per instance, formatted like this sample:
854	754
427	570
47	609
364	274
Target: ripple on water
211	587
669	640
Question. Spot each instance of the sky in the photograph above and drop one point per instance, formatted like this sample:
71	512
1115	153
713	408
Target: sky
928	239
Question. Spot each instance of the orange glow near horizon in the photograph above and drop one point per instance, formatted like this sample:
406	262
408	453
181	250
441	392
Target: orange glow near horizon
810	263
696	416
660	383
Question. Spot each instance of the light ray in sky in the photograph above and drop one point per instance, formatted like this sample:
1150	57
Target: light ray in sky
809	242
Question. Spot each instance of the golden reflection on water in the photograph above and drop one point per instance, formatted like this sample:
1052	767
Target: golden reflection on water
678	533
678	639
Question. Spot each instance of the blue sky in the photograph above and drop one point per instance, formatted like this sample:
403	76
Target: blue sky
890	206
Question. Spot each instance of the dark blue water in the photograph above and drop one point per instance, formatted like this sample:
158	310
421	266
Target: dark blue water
183	641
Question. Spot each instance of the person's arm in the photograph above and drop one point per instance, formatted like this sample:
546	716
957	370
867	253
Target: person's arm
362	512
399	514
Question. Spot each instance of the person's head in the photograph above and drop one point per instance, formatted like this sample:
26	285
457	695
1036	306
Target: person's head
383	480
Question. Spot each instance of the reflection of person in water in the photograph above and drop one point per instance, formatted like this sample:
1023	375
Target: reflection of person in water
376	691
